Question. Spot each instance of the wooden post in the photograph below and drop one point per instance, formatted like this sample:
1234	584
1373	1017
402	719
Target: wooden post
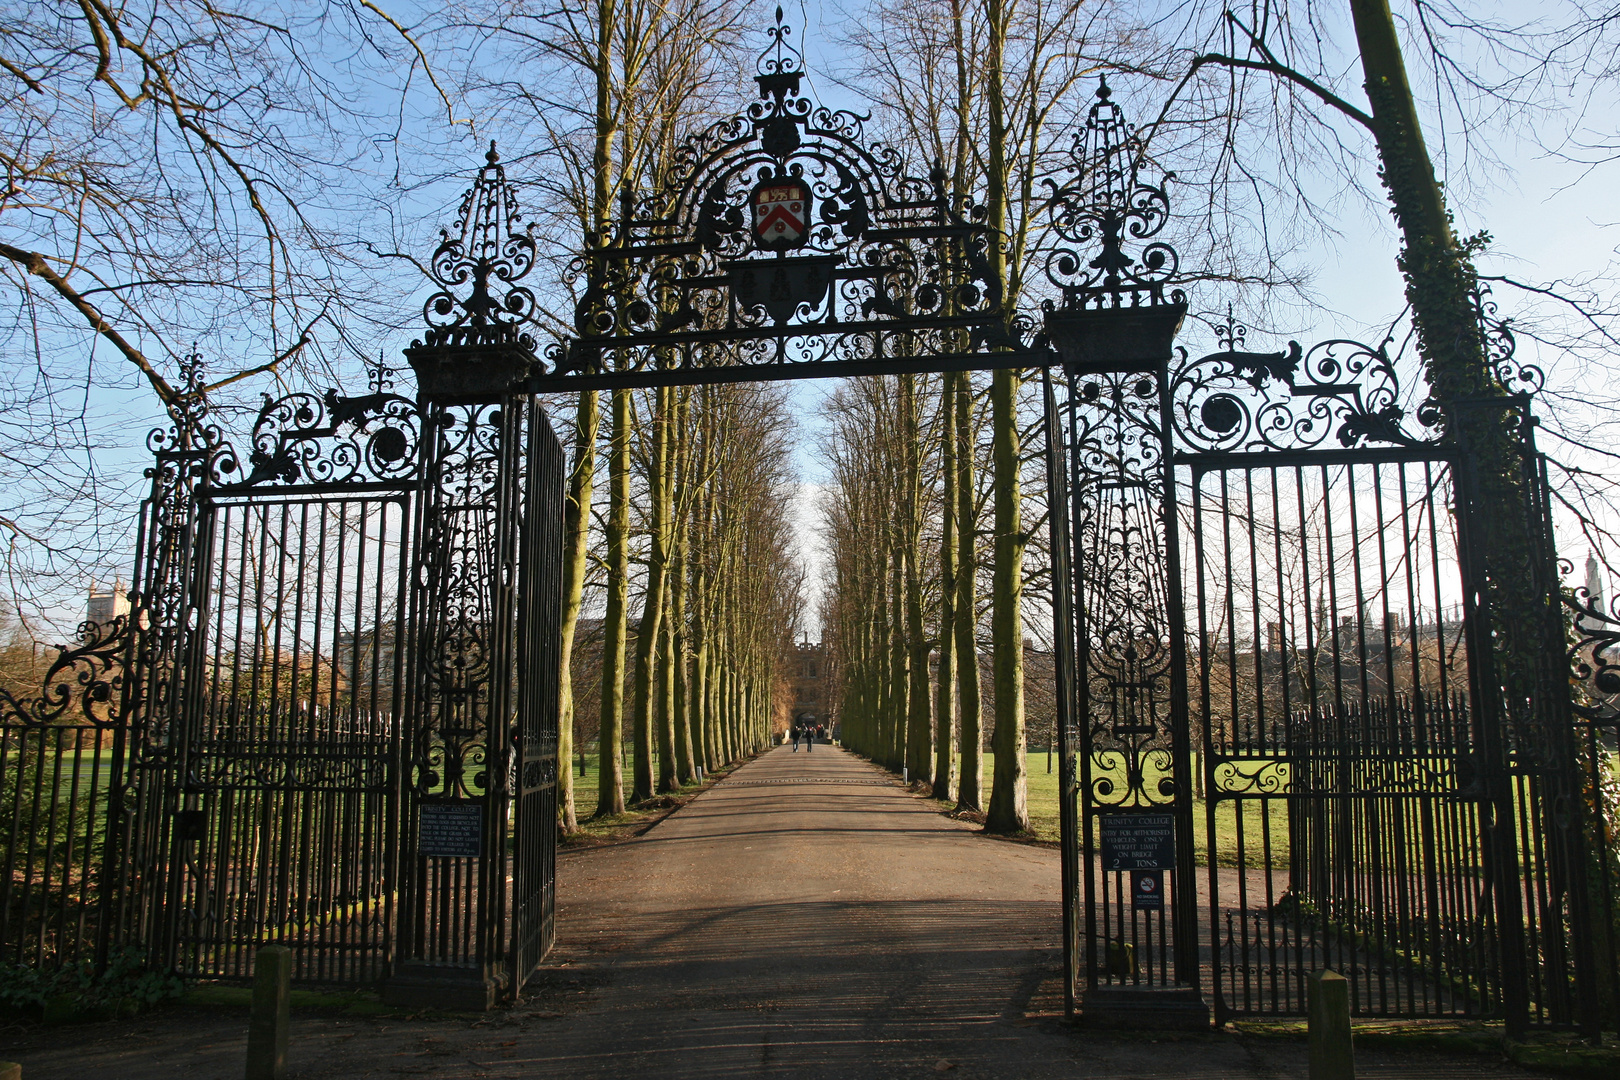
267	1031
1328	997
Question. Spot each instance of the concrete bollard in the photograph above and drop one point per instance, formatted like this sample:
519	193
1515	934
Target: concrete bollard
1327	995
10	1070
267	1031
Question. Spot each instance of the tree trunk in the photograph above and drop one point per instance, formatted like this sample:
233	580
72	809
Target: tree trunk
919	748
1008	810
652	606
576	541
610	798
970	785
945	689
678	659
894	749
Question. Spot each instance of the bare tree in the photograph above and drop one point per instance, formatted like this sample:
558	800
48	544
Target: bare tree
174	173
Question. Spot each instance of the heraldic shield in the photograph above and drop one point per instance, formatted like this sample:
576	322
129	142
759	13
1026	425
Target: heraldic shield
781	208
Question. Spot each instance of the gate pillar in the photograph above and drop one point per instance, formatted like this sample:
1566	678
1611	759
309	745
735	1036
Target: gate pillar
480	731
1129	840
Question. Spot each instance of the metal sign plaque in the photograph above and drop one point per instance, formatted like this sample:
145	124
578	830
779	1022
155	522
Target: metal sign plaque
1147	890
451	830
1132	841
781	214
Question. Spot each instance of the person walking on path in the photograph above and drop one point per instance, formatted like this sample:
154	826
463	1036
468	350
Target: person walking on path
795	738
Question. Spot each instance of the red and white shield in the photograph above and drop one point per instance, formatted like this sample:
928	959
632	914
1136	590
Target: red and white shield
781	214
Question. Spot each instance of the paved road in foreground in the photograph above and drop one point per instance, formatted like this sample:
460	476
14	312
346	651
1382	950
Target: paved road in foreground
804	918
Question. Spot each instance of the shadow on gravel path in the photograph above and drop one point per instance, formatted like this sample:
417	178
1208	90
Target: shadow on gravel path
806	917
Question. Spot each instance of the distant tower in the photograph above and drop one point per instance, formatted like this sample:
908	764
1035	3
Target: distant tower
1594	594
107	604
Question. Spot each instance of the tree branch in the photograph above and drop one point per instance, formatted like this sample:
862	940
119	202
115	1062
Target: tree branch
35	264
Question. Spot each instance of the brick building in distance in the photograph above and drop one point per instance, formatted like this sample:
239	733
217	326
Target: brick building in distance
807	673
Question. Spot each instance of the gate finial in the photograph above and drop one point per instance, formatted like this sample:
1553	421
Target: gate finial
491	252
780	111
1106	204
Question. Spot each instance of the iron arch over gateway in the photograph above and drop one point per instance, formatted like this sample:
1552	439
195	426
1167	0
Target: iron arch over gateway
1249	581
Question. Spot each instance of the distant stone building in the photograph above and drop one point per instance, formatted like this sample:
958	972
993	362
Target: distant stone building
807	673
106	604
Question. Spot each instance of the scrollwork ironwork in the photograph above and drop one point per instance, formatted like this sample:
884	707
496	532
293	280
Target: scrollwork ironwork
1125	649
1512	375
1593	656
1235	399
305	438
1105	206
460	570
83	685
1253	777
882	266
491	252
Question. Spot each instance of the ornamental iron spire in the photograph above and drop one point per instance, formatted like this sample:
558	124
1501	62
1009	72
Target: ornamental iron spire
1106	216
490	251
780	112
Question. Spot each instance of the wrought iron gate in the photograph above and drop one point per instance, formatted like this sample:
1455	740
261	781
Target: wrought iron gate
1297	728
285	701
1303	731
332	710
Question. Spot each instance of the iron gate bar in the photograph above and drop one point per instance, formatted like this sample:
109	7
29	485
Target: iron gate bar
1060	542
1203	462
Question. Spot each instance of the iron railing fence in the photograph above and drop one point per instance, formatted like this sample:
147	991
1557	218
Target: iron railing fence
1351	843
56	782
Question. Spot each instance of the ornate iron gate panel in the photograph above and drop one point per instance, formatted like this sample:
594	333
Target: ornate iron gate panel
1134	766
288	690
1331	688
481	740
534	871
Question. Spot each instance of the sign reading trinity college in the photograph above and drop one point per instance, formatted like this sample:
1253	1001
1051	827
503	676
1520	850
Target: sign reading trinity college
1137	841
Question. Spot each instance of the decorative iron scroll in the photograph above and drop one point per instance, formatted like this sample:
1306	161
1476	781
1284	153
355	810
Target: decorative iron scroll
1339	390
1118	490
492	252
460	552
84	684
1513	375
1105	205
329	439
307	765
783	237
1594	656
1252	777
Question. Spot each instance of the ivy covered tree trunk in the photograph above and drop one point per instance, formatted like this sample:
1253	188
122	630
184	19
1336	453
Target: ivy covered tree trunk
1441	285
